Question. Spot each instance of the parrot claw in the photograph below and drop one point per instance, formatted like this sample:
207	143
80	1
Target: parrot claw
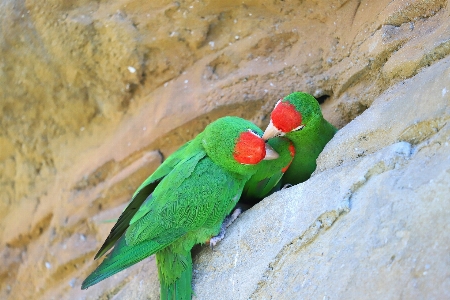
286	186
231	218
214	240
227	222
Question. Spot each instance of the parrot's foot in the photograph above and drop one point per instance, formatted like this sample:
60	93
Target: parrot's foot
231	218
286	186
227	222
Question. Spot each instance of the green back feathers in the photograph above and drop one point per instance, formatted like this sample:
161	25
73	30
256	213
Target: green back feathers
188	149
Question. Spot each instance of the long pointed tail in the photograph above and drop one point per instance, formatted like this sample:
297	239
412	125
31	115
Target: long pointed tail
175	275
120	258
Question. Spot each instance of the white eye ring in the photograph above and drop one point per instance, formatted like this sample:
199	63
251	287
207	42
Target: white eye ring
298	128
251	131
278	103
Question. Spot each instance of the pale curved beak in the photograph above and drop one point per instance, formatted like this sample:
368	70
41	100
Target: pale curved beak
270	153
271	131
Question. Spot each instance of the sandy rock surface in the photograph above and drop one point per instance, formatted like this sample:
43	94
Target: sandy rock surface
96	94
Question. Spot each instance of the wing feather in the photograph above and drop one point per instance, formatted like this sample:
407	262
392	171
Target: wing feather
141	200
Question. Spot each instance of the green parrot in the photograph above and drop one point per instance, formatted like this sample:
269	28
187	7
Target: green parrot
298	117
267	179
183	203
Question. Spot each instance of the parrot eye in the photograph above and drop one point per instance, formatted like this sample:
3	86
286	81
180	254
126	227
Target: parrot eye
280	133
285	117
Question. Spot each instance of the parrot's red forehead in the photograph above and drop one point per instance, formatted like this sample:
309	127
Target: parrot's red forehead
285	116
250	149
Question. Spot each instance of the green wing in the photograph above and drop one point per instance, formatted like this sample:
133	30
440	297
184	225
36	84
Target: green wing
125	254
143	194
197	194
170	163
258	188
123	222
187	207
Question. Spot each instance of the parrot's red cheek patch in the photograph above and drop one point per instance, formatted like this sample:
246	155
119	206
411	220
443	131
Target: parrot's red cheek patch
285	117
292	152
287	167
292	149
250	149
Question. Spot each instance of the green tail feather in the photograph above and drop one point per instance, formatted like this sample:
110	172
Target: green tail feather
120	258
175	285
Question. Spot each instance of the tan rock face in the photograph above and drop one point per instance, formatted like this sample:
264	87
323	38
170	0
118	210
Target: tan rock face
95	94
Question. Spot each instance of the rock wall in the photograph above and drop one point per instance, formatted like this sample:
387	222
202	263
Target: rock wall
96	94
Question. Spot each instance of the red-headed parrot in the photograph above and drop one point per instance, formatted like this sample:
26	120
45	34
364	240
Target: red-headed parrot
298	117
184	203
